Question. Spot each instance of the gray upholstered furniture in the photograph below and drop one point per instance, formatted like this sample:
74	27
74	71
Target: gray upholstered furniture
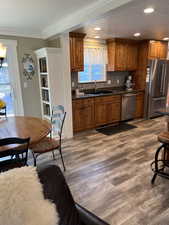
56	189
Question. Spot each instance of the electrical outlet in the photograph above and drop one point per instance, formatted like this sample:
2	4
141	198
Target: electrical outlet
118	81
73	84
109	81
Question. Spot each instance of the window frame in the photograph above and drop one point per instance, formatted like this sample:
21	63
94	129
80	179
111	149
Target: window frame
90	74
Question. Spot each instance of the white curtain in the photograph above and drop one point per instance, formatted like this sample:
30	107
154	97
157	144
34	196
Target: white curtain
95	53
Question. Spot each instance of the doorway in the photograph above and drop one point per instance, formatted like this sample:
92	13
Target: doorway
10	85
6	89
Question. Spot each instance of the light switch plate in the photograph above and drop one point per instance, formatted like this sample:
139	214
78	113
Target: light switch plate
25	84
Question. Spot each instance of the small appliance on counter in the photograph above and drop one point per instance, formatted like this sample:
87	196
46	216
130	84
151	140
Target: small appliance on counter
129	84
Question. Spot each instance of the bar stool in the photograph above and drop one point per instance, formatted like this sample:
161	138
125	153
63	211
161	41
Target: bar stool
159	164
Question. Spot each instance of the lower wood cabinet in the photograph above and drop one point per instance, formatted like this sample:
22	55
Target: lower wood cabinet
92	112
107	110
97	111
139	105
83	114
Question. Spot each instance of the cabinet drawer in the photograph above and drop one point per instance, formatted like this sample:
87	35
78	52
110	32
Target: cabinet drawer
83	102
116	98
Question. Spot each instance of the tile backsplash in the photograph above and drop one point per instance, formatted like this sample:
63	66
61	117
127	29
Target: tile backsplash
117	79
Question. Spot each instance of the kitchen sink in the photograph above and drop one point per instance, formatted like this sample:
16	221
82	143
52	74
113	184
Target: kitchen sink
98	92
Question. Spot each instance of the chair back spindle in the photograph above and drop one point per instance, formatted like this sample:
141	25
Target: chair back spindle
57	119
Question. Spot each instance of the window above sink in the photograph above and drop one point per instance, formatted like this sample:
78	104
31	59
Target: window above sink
95	60
92	73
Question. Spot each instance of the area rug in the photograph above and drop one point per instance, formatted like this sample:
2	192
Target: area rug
111	130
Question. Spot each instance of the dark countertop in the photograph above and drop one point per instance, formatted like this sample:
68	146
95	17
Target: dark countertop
164	112
120	91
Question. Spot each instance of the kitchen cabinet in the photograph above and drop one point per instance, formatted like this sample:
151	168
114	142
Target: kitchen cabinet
76	51
132	56
158	49
139	105
122	54
83	114
107	110
92	112
148	50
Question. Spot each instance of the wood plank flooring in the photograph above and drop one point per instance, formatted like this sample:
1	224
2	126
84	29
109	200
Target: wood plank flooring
110	175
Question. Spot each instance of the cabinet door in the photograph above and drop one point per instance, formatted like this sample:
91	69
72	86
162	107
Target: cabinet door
83	114
158	49
100	113
79	54
111	55
132	56
113	112
72	53
107	110
121	56
139	105
76	52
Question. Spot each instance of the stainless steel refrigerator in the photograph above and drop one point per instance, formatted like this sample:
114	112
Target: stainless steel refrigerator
156	87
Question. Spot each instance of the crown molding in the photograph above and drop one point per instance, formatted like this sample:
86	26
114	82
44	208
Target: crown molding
21	33
80	17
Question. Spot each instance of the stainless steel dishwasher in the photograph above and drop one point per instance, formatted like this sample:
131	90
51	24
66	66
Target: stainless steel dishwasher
128	106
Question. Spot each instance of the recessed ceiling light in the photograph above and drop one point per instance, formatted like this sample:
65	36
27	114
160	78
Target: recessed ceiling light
97	37
137	34
149	10
166	39
97	28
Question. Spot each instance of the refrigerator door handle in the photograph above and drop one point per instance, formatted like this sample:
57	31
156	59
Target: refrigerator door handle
160	98
162	79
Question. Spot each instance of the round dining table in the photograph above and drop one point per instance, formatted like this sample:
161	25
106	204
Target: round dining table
24	127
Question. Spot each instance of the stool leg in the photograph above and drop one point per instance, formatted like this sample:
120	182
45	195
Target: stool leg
154	177
53	153
34	158
156	163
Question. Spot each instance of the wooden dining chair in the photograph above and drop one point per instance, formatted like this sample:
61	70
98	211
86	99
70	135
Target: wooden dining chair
50	144
13	153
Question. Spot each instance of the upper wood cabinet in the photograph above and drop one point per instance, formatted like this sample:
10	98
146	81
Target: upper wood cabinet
76	51
122	55
157	49
148	50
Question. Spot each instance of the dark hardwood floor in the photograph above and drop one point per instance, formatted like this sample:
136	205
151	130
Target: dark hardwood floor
110	175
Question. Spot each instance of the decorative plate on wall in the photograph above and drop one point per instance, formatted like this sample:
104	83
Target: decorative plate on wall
29	66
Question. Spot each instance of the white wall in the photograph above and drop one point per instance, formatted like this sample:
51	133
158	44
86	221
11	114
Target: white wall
66	85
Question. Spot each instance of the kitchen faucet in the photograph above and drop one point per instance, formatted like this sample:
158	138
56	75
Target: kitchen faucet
95	86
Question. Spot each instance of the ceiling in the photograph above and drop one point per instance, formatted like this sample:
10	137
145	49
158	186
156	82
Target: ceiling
31	17
129	19
45	18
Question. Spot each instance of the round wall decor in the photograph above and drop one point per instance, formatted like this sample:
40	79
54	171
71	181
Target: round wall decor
29	66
